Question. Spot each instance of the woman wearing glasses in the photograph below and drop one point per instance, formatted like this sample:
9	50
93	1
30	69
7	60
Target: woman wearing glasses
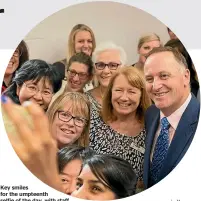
19	56
81	39
102	177
69	116
107	59
35	81
79	72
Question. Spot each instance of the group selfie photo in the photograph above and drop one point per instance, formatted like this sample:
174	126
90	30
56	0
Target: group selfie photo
100	101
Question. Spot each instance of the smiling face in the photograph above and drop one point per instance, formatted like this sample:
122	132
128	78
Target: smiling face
89	187
146	48
66	132
167	82
78	76
40	92
108	56
83	42
13	63
125	97
69	175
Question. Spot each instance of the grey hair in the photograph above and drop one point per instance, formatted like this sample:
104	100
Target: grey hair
109	46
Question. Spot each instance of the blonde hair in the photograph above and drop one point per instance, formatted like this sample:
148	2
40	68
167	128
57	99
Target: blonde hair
71	39
80	106
148	38
135	79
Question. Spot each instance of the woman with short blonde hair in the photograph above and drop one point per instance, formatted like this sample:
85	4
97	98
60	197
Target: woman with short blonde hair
69	118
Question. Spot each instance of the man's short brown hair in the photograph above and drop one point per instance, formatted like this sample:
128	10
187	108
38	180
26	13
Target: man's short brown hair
177	55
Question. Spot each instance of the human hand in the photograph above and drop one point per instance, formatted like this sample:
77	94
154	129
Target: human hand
28	131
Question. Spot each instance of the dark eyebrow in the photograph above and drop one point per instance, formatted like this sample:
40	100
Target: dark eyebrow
34	83
64	173
70	69
93	182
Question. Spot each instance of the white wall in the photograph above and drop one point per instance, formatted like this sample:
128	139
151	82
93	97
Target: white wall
116	22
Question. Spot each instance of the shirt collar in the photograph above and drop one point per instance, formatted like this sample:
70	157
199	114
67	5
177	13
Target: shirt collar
175	117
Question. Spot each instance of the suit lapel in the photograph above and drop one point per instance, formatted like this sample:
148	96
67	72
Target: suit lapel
152	132
152	128
182	139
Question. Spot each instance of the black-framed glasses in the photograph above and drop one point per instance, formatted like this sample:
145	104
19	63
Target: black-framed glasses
111	65
34	89
73	73
66	117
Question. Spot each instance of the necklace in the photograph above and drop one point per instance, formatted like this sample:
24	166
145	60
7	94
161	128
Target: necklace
101	94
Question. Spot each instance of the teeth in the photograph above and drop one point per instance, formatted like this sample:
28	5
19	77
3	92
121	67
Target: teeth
67	131
160	94
124	104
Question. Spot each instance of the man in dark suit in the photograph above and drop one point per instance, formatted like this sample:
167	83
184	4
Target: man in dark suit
172	120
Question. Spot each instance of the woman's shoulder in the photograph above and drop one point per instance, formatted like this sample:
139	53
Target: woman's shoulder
89	95
92	99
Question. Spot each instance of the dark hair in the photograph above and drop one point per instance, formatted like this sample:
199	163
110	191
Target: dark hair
168	29
33	70
82	58
72	152
115	173
24	54
177	44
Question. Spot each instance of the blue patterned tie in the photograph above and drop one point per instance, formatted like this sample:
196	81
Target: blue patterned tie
160	151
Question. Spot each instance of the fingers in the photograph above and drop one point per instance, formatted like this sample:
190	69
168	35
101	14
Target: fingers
18	117
41	126
36	147
16	121
39	119
20	150
31	128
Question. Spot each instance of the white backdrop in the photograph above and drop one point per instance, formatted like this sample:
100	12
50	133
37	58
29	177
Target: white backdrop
112	21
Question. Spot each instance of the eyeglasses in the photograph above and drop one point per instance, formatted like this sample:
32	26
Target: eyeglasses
102	65
66	117
81	76
17	53
33	89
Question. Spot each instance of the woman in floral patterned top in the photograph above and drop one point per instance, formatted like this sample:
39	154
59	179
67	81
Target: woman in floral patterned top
120	128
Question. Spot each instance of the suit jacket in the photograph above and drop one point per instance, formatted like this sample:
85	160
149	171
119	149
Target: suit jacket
181	141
